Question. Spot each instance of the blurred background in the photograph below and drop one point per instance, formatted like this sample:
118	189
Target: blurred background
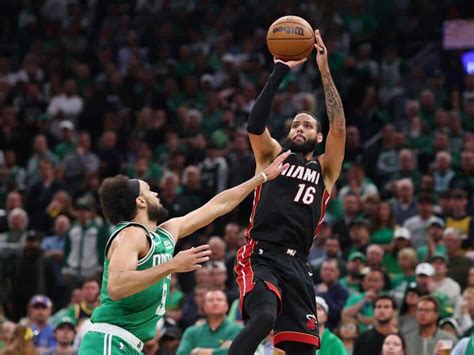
161	90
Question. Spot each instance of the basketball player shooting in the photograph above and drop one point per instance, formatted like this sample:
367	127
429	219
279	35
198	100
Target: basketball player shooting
139	258
274	278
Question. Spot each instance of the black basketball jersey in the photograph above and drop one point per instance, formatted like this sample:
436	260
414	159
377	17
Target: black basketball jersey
288	210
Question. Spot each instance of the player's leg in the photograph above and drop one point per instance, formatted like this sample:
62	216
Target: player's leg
296	329
261	306
95	343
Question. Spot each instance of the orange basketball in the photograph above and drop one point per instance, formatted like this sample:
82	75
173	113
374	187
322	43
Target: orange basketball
290	38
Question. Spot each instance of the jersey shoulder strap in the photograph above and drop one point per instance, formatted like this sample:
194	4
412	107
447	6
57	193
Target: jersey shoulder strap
128	224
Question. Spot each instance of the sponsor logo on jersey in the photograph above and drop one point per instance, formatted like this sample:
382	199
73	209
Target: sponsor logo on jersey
168	245
302	173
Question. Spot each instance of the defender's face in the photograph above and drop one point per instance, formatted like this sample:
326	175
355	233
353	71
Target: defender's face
151	197
304	129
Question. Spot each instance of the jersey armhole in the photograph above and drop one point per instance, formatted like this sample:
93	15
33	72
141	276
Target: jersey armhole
131	224
168	234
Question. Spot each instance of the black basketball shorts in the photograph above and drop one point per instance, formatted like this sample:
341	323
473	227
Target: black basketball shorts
286	273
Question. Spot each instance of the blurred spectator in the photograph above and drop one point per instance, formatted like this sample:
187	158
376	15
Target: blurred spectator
218	247
435	227
20	342
405	205
13	200
67	105
464	178
18	222
382	230
174	303
193	307
423	340
357	183
443	174
348	331
391	262
359	234
355	265
459	218
110	157
407	317
41	194
408	168
216	334
64	333
418	223
332	292
393	344
407	261
351	212
67	142
443	283
330	342
459	265
361	306
371	341
33	273
40	308
41	152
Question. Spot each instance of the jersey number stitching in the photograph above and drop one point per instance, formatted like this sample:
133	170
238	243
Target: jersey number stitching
308	196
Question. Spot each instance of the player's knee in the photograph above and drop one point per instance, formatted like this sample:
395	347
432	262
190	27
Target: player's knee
266	319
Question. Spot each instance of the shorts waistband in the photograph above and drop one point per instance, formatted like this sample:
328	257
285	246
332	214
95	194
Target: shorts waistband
265	246
107	328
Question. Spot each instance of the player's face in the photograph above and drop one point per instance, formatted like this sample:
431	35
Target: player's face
303	136
156	212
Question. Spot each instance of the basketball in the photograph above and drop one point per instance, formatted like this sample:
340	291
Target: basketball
290	38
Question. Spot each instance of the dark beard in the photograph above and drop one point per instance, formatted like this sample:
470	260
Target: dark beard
384	322
157	214
308	146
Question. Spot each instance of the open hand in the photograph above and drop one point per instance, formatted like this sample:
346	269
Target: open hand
321	53
275	168
191	259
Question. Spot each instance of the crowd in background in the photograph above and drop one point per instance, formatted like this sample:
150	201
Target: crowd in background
161	91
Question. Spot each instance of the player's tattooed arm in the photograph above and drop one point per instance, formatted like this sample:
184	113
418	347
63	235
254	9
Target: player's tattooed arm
334	108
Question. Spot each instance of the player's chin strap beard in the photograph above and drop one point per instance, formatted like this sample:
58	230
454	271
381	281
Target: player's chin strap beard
134	185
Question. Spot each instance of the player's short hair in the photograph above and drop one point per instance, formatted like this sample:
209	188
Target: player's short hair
318	124
114	195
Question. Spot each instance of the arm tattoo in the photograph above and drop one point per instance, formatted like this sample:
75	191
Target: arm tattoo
334	107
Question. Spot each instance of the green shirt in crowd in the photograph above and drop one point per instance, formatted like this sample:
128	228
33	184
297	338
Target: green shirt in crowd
422	252
202	336
382	236
367	310
331	344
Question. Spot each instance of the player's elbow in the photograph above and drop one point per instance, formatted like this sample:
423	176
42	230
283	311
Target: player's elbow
114	291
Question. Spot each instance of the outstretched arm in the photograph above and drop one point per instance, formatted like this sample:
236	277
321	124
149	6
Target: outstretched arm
336	139
264	147
222	203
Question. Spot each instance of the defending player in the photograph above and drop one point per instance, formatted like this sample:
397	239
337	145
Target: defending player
276	288
139	258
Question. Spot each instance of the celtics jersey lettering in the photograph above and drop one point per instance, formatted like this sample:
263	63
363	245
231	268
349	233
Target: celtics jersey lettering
140	312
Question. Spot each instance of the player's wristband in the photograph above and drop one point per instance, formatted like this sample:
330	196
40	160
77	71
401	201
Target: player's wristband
265	177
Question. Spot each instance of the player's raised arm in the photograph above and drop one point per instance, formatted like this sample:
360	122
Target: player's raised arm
224	202
123	277
336	139
264	147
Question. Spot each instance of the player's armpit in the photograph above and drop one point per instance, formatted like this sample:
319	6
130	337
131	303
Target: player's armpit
264	148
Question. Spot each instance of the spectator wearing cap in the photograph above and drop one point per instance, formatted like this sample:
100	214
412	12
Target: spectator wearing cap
405	205
331	344
361	306
371	341
340	229
39	310
401	240
31	273
417	224
422	341
84	245
459	265
450	325
64	333
332	292
41	194
426	285
216	334
443	283
67	144
435	243
459	218
407	316
354	267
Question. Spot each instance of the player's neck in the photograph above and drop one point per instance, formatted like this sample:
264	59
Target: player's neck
142	218
308	156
